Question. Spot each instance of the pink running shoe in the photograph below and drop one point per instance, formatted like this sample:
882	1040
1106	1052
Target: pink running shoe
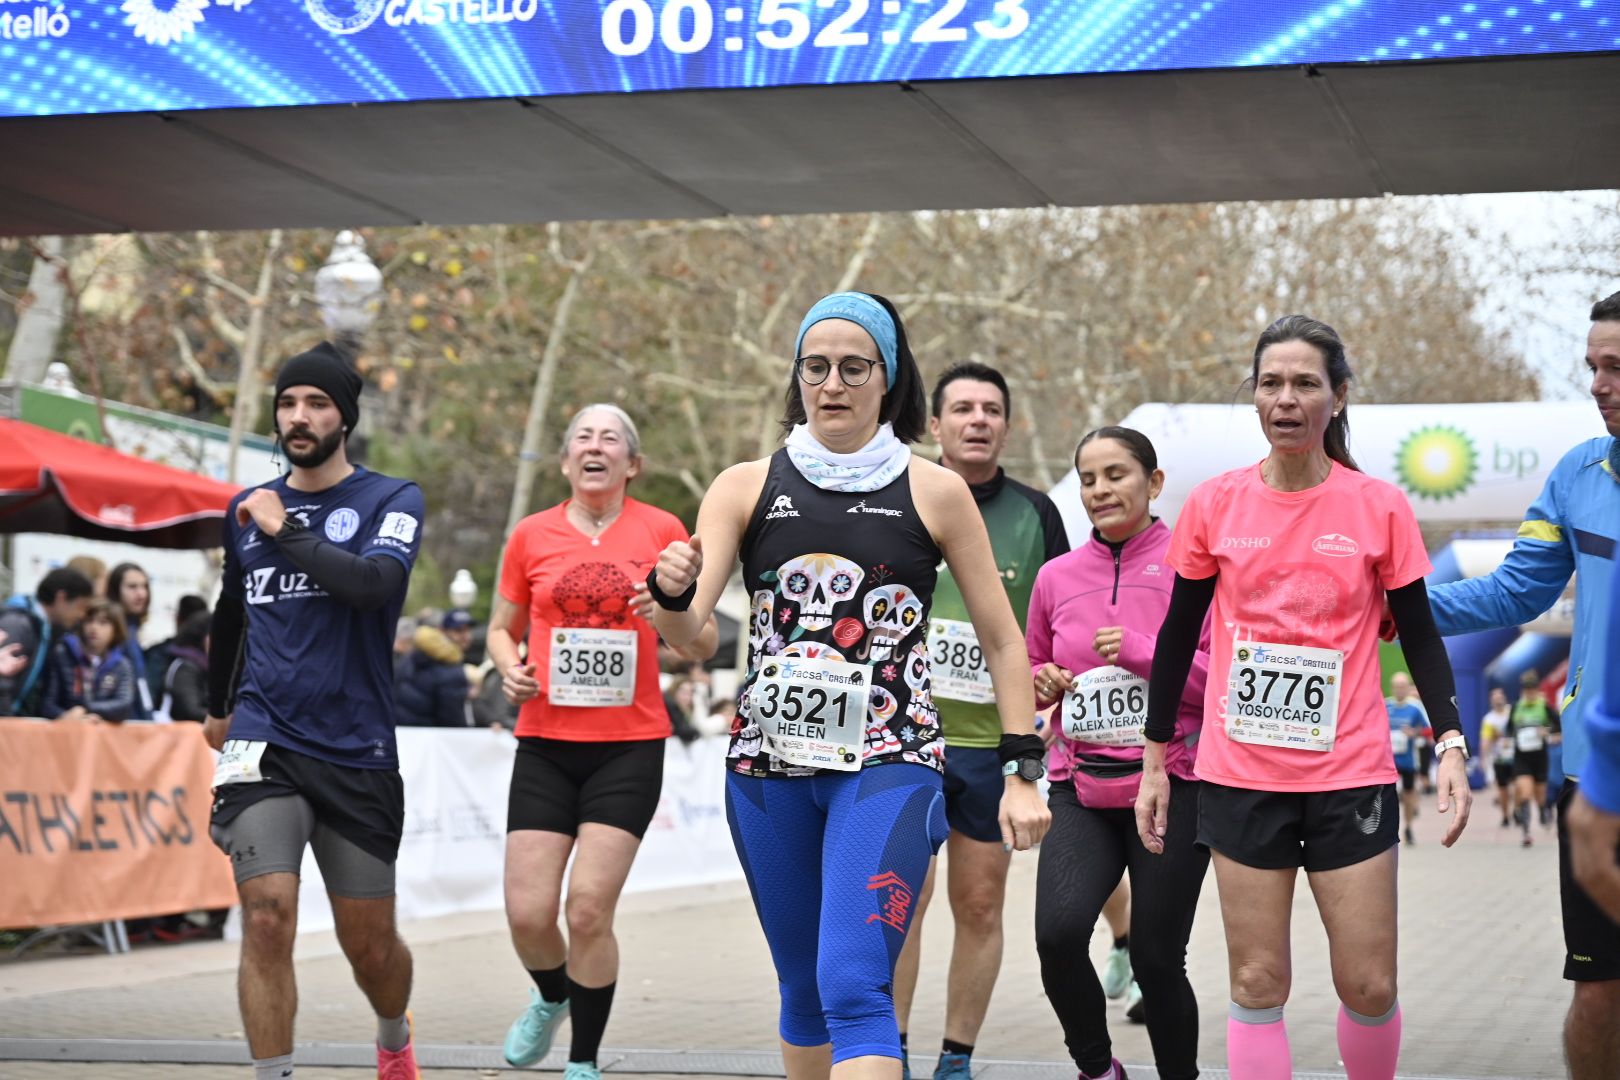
399	1064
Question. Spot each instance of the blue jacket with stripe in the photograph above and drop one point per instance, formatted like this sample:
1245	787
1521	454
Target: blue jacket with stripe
1573	527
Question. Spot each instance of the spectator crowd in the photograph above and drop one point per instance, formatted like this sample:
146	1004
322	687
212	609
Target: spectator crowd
72	649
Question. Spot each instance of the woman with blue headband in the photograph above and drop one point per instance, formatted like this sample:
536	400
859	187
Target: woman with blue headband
834	772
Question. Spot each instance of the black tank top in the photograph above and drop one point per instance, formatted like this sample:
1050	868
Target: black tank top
843	576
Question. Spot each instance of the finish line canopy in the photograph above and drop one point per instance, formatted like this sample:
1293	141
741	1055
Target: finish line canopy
53	483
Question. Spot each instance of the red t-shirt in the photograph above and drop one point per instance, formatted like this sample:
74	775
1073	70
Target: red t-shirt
1299	568
567	580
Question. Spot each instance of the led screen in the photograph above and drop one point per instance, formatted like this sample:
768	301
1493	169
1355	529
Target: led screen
88	56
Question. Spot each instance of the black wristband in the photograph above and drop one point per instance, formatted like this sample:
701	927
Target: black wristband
1014	747
666	601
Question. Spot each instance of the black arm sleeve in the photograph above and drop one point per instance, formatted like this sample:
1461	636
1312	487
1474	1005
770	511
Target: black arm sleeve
226	636
1053	530
364	582
1426	655
1174	651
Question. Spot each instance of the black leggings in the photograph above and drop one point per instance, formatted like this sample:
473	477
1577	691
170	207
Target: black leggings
1082	859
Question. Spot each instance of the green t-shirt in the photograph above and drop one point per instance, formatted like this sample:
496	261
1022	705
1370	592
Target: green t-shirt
1530	724
1026	531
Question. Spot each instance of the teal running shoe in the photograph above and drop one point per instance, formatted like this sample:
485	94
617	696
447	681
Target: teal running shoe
954	1067
1135	1012
582	1070
1116	974
529	1038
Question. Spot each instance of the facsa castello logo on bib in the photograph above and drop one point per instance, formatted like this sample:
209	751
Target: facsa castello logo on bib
1335	544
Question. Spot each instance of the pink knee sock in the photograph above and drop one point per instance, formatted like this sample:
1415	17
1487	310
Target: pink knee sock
1257	1044
1370	1045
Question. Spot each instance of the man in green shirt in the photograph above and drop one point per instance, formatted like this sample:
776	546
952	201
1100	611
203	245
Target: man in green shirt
971	410
1533	725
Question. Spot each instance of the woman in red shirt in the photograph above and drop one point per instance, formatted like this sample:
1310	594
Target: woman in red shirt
590	729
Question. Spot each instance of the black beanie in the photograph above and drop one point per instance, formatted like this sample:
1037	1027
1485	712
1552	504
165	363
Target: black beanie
326	369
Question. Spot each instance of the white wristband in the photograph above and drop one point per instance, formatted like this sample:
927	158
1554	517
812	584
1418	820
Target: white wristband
1456	742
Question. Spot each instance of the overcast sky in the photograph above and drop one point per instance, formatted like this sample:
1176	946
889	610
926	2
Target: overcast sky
1551	333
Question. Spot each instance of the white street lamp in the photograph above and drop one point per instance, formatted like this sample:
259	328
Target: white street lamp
348	290
463	589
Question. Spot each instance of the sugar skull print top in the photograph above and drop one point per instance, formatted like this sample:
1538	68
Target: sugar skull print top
574	590
849	577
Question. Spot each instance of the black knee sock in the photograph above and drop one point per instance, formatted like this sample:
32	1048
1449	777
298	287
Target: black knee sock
902	1042
589	1009
552	983
949	1047
1123	941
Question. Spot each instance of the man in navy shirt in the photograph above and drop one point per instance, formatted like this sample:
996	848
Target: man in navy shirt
316	567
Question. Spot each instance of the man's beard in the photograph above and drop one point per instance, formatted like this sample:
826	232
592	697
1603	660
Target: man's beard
314	458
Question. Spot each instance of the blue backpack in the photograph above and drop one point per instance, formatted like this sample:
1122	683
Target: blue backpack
42	625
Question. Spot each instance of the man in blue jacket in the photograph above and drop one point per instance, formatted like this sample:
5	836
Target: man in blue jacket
1594	820
1572	527
29	627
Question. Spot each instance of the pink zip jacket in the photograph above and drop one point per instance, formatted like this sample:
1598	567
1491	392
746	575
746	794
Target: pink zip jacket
1076	595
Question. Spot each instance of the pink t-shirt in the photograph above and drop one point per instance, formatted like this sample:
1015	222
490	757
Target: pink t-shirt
1303	568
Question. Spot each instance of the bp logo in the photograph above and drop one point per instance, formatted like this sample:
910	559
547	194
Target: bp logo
1436	462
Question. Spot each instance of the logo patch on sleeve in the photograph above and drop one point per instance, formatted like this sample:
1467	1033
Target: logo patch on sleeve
398	526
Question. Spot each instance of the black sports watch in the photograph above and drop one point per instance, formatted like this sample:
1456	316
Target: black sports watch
1030	768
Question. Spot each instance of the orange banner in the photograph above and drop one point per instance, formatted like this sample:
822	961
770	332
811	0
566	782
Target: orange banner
106	821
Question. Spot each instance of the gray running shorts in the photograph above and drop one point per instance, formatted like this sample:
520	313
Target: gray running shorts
268	837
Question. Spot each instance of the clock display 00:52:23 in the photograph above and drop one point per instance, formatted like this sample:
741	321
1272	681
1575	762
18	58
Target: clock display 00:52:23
631	27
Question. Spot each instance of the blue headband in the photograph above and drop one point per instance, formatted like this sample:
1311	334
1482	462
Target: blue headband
864	312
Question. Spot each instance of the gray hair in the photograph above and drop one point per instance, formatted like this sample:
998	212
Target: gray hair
632	437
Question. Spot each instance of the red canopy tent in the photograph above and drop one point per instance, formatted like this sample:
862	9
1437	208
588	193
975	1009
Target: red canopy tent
54	483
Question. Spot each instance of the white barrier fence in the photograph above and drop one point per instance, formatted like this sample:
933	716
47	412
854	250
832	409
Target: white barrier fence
452	854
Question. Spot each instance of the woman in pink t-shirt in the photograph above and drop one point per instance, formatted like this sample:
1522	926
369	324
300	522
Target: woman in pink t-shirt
1298	554
1093	617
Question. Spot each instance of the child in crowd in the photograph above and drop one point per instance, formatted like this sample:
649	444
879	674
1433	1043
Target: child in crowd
93	677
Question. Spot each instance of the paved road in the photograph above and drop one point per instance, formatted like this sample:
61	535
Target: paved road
1480	953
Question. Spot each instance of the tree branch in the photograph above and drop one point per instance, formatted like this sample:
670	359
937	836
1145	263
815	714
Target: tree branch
188	360
857	258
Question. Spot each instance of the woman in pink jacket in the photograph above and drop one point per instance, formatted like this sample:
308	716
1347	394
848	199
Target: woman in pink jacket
1093	620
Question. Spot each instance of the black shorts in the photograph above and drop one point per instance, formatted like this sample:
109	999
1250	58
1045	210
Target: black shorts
558	785
1504	773
973	787
1591	938
364	806
1531	763
1282	830
1408	779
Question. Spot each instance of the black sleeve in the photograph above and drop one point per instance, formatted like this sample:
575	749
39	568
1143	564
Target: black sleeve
1555	722
226	637
1173	653
1426	655
1052	528
364	582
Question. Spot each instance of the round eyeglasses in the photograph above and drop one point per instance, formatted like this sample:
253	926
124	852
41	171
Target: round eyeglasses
852	370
